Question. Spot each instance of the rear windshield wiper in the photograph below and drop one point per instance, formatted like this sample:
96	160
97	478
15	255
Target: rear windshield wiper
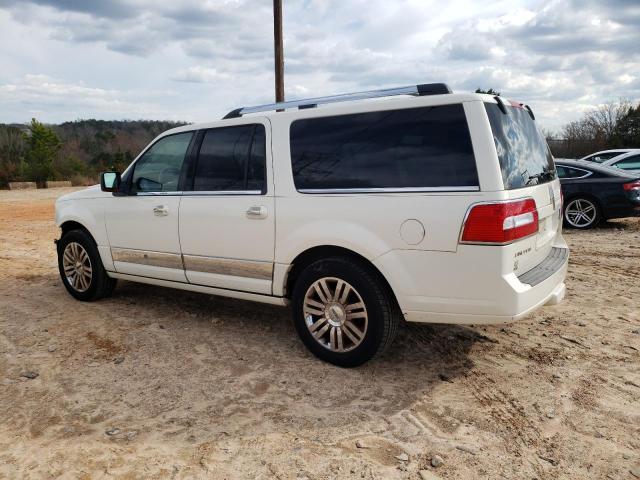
540	177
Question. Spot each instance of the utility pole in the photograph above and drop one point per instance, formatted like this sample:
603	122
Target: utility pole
279	54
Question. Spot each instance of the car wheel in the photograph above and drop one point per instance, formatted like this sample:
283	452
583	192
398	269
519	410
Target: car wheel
582	213
342	312
81	269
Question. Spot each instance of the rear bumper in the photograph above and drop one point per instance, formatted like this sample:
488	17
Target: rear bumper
552	298
471	292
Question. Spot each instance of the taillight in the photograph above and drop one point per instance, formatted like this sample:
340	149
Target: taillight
500	222
635	185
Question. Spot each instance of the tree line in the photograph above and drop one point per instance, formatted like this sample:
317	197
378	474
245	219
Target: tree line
616	124
80	150
76	151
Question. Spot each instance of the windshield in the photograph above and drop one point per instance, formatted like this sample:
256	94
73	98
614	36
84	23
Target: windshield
525	159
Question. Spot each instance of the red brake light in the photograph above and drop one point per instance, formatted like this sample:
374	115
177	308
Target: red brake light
501	222
635	185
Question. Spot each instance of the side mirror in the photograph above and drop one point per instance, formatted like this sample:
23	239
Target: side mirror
110	181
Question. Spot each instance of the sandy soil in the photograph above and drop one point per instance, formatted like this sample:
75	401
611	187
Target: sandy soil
156	383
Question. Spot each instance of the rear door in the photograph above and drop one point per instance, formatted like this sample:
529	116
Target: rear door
528	171
227	217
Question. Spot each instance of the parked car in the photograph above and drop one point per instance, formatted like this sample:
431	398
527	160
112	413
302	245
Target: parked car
629	161
604	155
358	211
593	193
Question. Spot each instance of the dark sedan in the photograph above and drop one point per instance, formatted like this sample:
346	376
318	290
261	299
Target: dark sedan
593	193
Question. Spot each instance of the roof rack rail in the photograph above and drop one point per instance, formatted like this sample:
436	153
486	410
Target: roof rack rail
418	90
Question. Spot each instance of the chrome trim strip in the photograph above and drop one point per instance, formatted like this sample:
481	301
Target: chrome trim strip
145	257
156	194
221	192
389	190
229	266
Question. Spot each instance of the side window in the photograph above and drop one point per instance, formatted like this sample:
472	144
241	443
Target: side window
602	157
568	172
562	172
629	163
159	168
411	148
232	159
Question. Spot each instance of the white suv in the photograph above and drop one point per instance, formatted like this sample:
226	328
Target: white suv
359	210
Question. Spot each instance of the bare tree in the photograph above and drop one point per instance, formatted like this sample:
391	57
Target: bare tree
596	130
602	121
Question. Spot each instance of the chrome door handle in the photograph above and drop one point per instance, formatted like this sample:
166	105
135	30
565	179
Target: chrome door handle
160	211
257	212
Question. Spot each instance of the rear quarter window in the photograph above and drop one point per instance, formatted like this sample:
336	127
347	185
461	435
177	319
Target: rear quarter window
394	149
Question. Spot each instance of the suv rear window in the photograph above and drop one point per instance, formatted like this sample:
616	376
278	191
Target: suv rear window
525	158
232	159
393	149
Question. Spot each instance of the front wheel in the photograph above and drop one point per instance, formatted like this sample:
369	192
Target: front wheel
582	213
81	269
342	312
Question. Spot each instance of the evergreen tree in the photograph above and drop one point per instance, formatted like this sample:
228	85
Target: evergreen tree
627	131
43	146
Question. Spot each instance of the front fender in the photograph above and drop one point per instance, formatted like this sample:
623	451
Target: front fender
89	212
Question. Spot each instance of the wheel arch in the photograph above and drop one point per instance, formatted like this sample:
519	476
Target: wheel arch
587	195
312	254
70	225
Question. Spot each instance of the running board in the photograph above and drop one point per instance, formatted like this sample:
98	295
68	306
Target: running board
221	292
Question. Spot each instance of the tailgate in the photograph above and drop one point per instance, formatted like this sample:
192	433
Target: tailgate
534	250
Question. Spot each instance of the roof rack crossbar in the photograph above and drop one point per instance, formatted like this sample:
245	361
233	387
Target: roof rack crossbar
419	90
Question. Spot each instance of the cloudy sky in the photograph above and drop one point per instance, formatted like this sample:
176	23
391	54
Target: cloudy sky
194	60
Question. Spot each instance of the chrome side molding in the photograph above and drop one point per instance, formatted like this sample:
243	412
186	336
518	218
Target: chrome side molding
144	257
217	265
229	266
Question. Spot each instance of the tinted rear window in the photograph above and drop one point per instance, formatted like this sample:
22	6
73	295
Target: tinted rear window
411	148
525	158
231	158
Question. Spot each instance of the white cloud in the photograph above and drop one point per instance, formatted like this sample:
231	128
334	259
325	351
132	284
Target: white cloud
199	74
196	59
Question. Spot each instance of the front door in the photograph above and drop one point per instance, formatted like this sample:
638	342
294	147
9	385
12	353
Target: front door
142	226
227	217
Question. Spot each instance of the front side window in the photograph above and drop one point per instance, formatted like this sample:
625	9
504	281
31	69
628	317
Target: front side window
394	149
629	163
158	170
525	158
232	159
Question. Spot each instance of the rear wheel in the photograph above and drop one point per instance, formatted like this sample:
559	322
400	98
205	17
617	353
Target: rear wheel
81	269
582	213
342	312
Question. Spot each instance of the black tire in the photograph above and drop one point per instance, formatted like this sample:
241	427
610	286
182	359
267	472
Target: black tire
381	309
100	284
581	224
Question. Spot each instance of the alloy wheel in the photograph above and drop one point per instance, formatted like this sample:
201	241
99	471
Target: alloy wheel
77	266
580	213
335	314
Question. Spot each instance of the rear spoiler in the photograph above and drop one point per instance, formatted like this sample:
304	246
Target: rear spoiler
502	104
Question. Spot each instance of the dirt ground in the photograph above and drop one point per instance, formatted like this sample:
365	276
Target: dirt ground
157	383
